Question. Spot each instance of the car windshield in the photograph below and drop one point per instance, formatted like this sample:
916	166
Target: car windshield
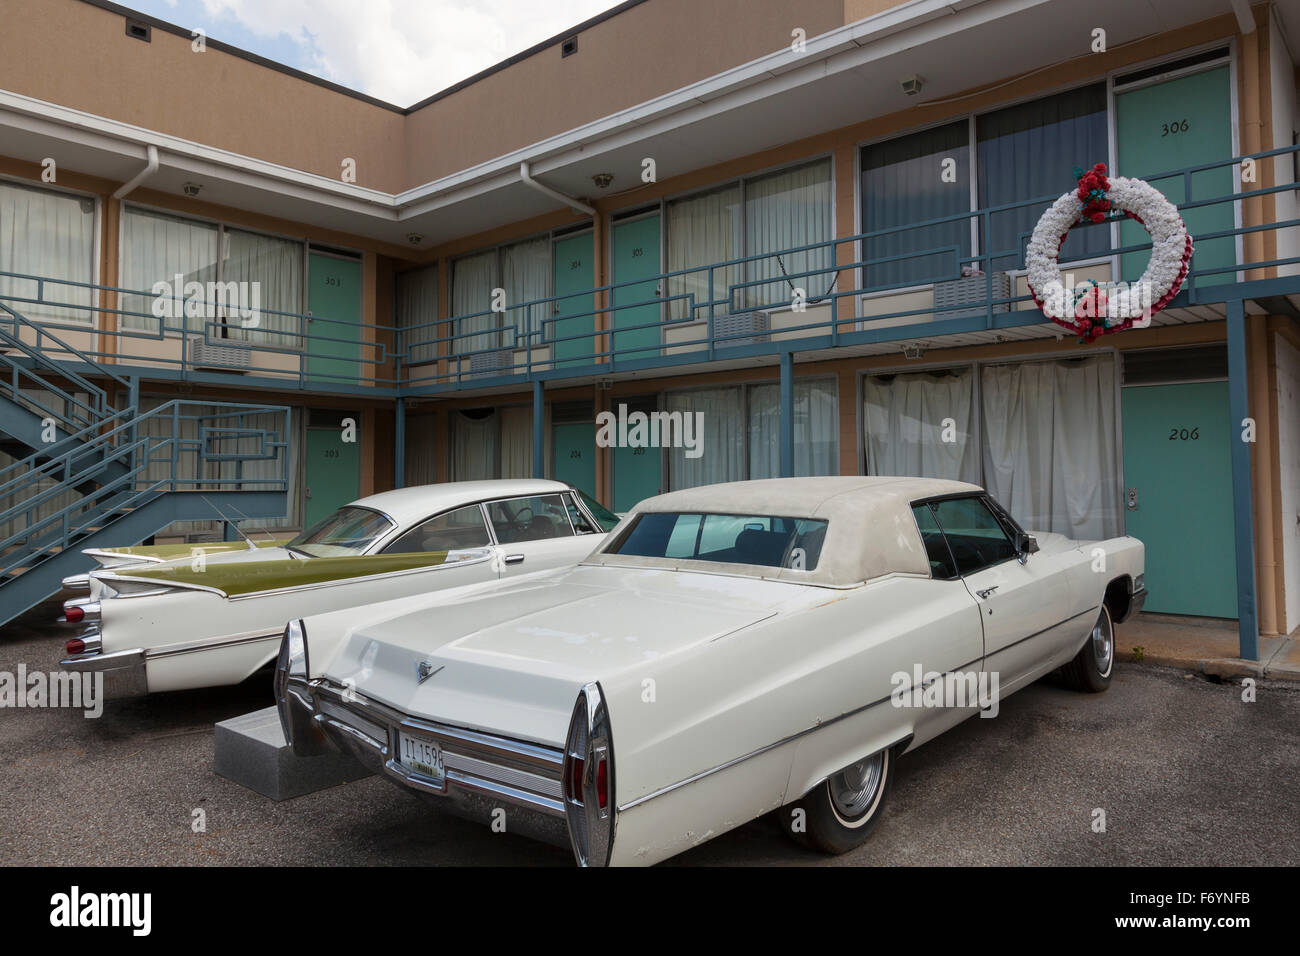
606	518
348	531
760	540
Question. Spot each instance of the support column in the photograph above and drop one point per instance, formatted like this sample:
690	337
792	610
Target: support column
1243	517
399	444
539	430
787	414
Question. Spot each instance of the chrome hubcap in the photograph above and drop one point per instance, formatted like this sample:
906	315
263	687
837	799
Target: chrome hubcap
1103	644
854	788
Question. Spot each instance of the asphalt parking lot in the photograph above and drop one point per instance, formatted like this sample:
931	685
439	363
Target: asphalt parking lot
1186	772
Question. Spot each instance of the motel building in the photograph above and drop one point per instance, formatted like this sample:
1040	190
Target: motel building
234	292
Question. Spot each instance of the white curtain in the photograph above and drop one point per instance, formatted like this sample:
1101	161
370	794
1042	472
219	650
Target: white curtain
516	442
419	453
474	443
272	468
702	229
472	280
723	445
52	235
157	248
526	277
158	469
1050	453
272	269
786	210
816	429
417	304
905	425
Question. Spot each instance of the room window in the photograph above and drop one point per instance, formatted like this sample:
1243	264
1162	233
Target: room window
51	235
248	279
492	443
523	270
757	216
416	309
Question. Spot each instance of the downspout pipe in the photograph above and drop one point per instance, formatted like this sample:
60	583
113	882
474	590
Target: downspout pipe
525	175
150	168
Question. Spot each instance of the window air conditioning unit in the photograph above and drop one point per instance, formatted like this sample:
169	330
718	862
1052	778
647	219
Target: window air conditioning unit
224	358
491	363
742	328
970	289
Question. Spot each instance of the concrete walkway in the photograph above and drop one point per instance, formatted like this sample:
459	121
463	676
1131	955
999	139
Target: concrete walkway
1207	645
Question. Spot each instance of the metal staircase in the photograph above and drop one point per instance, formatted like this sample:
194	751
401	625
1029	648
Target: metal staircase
85	468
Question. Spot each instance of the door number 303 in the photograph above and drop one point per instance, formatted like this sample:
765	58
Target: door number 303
1184	434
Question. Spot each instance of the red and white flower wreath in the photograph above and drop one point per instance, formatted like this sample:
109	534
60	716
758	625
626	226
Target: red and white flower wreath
1093	309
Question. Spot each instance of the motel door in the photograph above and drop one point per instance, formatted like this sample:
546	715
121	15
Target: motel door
573	445
636	257
1178	495
637	472
333	331
332	465
1171	125
574	273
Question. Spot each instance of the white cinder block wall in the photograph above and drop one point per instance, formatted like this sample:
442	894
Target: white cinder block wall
1288	432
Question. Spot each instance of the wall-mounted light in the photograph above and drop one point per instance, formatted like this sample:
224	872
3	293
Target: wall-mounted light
911	85
191	189
602	180
414	238
912	351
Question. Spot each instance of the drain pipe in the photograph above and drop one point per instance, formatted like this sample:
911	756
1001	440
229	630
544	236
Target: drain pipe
150	168
526	176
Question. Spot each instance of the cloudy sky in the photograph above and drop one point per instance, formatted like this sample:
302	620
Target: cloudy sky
397	50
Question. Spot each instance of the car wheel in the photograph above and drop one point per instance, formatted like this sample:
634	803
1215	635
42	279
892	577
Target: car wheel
1091	669
840	812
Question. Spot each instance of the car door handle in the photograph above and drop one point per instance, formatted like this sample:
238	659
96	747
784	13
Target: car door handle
514	559
985	592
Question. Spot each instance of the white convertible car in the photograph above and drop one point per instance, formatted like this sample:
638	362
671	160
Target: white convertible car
729	651
210	619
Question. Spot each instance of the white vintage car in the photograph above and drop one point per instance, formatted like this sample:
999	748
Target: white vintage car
729	651
210	619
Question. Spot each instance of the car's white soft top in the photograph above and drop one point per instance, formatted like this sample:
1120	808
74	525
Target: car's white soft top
405	505
870	530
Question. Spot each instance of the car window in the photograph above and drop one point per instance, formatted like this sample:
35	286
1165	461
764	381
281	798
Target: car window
462	528
581	523
348	531
942	566
973	532
533	518
760	540
604	517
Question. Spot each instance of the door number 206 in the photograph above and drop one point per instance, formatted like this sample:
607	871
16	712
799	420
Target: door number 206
1184	434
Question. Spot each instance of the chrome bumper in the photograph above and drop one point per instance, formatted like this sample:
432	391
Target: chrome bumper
483	773
124	671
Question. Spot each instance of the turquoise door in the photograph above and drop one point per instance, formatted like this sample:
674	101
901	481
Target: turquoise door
1178	494
574	273
1170	125
333	472
334	332
637	472
636	257
575	455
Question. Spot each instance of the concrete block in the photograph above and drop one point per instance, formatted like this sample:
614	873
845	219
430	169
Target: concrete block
251	751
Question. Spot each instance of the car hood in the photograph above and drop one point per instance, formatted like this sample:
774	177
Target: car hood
510	659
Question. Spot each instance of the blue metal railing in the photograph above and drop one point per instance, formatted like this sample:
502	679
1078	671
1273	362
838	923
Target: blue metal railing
855	286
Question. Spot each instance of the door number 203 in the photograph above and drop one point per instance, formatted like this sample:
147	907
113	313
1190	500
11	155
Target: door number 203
1184	434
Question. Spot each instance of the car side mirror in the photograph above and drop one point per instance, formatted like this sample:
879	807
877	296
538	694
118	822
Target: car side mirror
1026	544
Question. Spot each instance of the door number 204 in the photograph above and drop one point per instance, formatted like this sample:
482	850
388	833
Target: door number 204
1184	434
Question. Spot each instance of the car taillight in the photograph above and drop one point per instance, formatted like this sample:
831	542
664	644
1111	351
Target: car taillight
589	781
76	646
74	615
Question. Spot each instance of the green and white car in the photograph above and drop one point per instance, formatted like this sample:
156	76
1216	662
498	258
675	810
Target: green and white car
172	621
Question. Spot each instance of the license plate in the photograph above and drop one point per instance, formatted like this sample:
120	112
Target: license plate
420	755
